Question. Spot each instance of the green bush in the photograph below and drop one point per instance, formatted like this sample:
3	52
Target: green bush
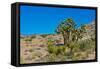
61	50
44	35
75	50
28	39
33	36
52	49
56	49
87	44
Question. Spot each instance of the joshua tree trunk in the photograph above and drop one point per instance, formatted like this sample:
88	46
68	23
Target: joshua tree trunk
66	38
70	36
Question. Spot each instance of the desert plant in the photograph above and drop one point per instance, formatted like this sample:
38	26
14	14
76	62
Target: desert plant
33	55
65	28
61	50
86	44
31	50
76	56
44	35
28	39
52	49
33	36
69	31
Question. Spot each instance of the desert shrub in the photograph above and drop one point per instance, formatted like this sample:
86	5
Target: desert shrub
52	49
76	47
82	49
61	50
33	55
75	50
72	48
87	44
50	42
93	46
84	45
93	37
31	50
56	49
80	56
44	35
39	54
76	56
28	39
36	54
33	36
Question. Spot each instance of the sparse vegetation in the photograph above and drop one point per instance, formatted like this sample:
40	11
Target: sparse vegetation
27	39
77	46
44	35
33	36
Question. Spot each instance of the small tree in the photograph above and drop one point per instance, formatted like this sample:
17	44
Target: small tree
69	31
65	28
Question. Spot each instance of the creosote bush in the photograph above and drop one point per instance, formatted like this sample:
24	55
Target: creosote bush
33	36
56	49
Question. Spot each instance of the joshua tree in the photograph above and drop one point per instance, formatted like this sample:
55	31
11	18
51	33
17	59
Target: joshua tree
65	28
69	31
82	31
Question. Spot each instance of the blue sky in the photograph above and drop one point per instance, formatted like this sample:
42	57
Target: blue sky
44	20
